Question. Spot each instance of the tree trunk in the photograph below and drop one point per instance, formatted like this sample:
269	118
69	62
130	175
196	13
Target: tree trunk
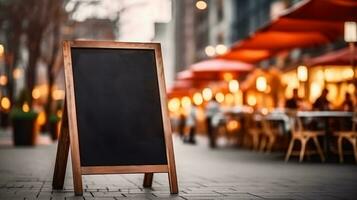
50	73
34	54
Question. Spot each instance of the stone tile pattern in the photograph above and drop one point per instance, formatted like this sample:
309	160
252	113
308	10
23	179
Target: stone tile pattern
224	173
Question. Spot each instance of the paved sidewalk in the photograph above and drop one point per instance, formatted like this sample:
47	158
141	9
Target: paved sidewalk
224	173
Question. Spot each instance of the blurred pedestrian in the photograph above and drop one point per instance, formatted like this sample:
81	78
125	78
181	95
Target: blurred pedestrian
347	104
181	124
294	101
191	124
322	103
212	109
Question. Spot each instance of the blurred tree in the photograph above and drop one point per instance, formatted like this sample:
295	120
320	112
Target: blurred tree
12	14
39	23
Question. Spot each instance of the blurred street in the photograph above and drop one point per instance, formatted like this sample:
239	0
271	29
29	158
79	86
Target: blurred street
223	173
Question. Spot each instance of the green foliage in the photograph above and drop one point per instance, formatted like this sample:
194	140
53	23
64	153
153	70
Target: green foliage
17	113
53	118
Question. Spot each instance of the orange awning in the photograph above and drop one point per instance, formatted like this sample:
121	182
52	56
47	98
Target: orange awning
278	41
246	55
331	30
309	23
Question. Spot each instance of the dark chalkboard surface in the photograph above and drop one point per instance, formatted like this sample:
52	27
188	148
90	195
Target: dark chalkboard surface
115	116
118	107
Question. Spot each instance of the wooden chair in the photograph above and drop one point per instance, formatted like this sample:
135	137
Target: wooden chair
350	136
299	134
268	136
253	129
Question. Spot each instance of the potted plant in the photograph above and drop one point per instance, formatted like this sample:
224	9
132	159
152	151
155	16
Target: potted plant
23	122
54	126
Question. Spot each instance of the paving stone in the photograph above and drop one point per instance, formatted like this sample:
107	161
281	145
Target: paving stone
223	173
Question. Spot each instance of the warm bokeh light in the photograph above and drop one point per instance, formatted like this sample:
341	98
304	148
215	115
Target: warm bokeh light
221	49
238	98
251	100
233	86
268	90
36	94
232	125
348	73
201	5
227	76
59	113
229	99
197	98
174	104
58	94
315	91
3	80
261	83
207	94
5	103
350	31
332	92
41	119
25	107
185	102
18	72
2	50
351	88
302	73
320	75
210	51
219	97
264	111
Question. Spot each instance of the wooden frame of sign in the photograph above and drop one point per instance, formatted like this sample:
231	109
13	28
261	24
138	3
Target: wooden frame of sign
69	130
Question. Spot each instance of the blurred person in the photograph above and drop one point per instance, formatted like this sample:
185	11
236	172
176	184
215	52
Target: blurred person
294	102
181	123
212	109
321	103
191	124
347	104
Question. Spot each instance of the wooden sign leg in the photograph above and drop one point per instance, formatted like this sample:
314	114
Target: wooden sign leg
173	181
62	154
148	180
172	168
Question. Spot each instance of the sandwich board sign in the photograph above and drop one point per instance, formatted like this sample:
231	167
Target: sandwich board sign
115	117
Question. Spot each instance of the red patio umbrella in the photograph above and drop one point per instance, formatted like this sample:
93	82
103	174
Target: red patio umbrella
247	55
185	75
277	40
339	57
214	69
180	88
331	30
328	10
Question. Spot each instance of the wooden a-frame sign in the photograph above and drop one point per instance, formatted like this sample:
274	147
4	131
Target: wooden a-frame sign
70	133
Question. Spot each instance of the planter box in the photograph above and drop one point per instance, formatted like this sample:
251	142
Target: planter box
24	132
23	124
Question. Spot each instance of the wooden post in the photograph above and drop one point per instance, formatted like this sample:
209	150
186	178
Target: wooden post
148	180
62	153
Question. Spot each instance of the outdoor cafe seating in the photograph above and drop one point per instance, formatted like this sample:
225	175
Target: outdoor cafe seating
264	133
298	133
350	136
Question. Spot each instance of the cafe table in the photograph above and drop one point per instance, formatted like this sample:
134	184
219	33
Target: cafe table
325	115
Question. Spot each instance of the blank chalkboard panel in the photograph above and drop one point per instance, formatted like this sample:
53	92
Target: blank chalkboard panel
118	107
